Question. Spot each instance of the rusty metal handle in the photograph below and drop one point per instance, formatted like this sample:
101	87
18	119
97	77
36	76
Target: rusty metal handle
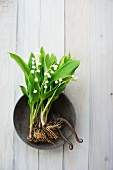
72	129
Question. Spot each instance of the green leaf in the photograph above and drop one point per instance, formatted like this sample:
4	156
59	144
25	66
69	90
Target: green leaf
44	59
48	94
24	90
30	90
67	69
30	60
21	63
41	59
55	98
26	81
31	79
64	59
48	61
52	59
60	89
41	50
33	97
36	97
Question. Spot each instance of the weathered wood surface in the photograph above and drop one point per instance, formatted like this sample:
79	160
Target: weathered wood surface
77	42
85	29
101	86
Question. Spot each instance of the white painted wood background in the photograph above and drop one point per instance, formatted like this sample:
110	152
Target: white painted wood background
85	28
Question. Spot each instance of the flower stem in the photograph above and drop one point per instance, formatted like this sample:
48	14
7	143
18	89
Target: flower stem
48	103
31	121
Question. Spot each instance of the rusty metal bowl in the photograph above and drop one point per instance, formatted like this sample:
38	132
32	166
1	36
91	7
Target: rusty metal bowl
62	106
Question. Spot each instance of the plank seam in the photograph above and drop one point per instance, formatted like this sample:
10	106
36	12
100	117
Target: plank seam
64	29
40	26
13	164
63	167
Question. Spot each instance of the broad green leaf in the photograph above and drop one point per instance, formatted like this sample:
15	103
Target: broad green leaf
41	50
67	69
49	101
41	59
30	90
52	59
29	103
30	60
24	90
33	97
36	86
48	61
44	59
64	59
55	98
26	81
45	63
31	79
60	89
48	94
21	63
58	92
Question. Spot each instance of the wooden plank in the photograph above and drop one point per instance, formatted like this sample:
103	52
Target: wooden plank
52	38
28	24
8	41
77	42
101	85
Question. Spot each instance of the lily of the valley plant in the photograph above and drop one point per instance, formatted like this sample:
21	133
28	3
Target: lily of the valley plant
45	80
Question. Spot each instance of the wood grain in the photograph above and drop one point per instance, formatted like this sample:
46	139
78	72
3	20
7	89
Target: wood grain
101	86
77	42
52	38
7	43
27	40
